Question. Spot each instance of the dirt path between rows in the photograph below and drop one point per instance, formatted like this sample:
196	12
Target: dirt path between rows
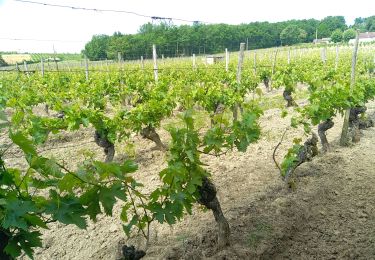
330	215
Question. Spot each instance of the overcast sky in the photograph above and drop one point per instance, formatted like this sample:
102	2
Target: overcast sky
68	30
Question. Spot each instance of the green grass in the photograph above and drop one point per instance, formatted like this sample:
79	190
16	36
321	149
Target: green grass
62	56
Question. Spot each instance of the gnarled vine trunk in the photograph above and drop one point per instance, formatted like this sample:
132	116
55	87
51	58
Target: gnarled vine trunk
46	109
322	128
356	123
366	123
208	199
266	82
219	109
150	133
287	94
353	116
305	154
130	253
109	147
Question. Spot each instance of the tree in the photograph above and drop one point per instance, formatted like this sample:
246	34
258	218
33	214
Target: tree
348	34
330	24
365	24
292	35
200	38
370	23
310	27
360	24
96	49
336	36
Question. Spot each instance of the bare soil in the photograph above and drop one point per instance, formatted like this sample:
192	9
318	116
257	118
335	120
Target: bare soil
330	214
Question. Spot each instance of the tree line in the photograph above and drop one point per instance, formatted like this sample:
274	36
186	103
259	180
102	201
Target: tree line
362	24
200	38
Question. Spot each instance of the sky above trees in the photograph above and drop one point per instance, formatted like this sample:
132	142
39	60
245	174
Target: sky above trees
67	30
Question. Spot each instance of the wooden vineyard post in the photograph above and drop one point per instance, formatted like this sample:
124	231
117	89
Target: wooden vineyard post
273	66
26	67
56	65
68	65
289	56
226	59
49	67
122	61
142	63
240	62
255	62
238	77
42	66
324	55
154	56
344	133
119	57
107	65
46	107
337	57
194	62
86	68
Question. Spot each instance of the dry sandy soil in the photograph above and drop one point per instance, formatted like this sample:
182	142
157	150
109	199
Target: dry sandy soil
330	214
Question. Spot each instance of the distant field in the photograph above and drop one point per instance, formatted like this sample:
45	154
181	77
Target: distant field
16	58
61	56
12	59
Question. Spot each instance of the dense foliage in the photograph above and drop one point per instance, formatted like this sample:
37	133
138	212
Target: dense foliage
292	35
199	38
348	35
336	36
365	24
330	24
